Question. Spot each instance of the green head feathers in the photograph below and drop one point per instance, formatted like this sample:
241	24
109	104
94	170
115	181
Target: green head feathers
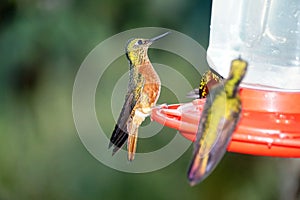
136	49
237	72
238	69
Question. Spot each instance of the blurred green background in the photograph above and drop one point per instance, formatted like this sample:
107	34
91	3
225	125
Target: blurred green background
42	44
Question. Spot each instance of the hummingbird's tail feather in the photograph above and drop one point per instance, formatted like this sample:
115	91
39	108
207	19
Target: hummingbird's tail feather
198	169
204	162
132	139
132	127
118	139
131	146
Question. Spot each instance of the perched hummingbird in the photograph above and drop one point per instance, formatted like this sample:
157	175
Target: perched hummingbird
219	118
142	94
208	80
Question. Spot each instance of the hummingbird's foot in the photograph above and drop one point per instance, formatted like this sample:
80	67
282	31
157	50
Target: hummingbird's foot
164	105
194	94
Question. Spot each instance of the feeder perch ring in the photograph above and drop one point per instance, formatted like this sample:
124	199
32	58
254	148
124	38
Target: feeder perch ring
269	125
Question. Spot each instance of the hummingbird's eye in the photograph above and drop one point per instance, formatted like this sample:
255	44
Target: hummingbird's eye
139	42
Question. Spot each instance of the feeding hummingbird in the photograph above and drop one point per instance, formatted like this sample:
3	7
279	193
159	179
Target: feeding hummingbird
208	80
142	94
218	120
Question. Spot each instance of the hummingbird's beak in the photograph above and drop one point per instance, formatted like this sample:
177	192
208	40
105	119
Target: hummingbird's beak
150	41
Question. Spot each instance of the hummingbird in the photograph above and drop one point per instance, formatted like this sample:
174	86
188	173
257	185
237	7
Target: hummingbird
142	94
220	115
208	80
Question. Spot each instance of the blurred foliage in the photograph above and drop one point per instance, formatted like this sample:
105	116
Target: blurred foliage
42	44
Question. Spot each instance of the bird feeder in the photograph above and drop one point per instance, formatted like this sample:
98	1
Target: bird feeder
267	35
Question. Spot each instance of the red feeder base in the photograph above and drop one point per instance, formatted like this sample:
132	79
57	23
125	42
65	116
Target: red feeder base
269	126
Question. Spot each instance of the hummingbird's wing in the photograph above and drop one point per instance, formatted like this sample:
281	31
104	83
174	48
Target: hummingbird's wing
136	118
211	143
120	133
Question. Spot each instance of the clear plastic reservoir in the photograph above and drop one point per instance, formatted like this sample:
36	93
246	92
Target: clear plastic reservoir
266	33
